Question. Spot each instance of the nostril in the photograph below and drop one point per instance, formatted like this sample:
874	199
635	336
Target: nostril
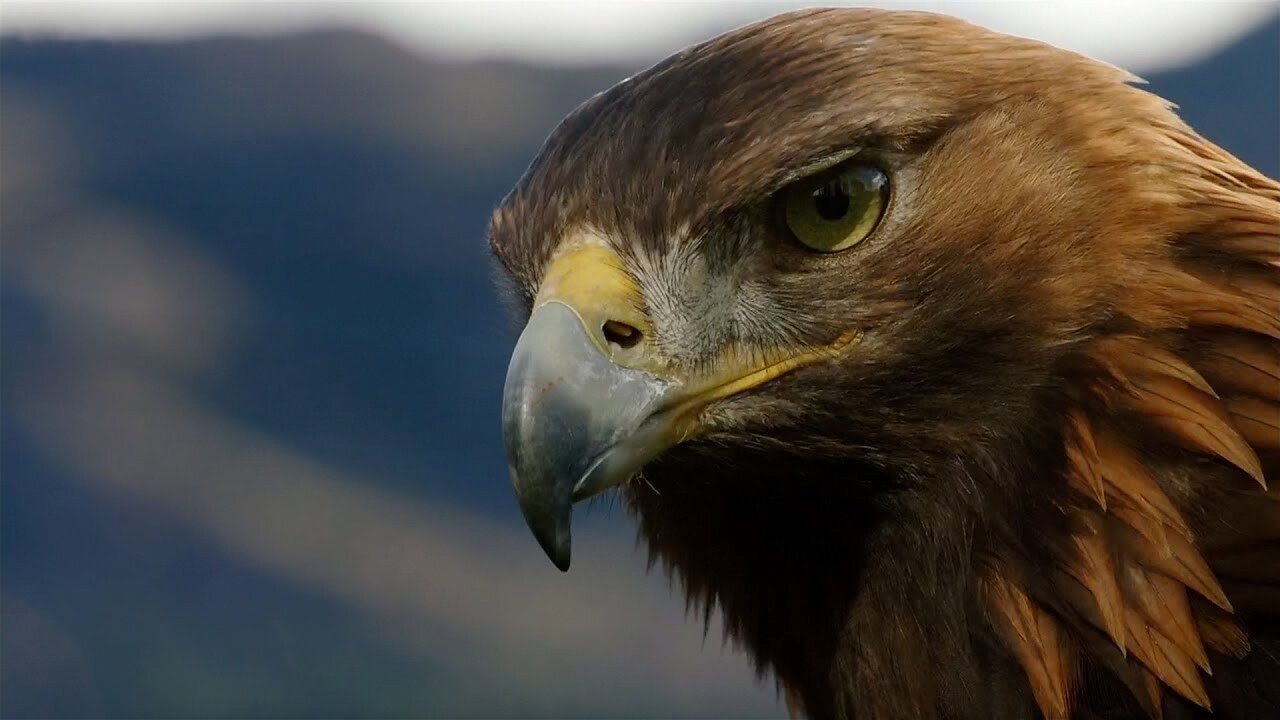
620	333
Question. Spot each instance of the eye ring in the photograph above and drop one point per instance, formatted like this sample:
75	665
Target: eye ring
835	209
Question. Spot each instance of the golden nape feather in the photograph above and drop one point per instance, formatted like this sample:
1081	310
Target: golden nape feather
1154	592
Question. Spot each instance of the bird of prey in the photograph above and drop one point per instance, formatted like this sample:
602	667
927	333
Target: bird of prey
944	365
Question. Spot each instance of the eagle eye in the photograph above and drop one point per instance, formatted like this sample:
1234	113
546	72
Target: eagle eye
835	209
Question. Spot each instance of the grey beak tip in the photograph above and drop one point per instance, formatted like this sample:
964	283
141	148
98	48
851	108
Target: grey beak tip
557	551
561	561
553	535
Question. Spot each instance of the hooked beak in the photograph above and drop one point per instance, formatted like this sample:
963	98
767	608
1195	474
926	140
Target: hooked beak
574	422
582	414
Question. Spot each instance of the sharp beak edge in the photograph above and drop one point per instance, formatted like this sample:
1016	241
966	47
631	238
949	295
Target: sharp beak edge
574	423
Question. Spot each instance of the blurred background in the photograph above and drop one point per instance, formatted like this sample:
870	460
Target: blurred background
251	354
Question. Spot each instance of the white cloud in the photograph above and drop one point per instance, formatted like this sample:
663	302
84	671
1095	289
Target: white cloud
1142	35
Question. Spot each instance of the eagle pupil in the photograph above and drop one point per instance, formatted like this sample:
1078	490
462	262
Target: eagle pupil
831	201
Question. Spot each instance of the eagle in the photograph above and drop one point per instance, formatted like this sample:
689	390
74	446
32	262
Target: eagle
943	365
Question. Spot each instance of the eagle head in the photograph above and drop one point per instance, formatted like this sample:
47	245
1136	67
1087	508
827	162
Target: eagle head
869	314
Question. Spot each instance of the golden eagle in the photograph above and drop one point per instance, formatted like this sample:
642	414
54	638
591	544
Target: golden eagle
944	364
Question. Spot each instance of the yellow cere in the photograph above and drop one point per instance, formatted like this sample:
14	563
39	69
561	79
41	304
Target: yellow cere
588	277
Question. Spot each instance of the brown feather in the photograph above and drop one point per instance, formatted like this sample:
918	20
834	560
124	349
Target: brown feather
1037	640
1163	659
1135	355
1182	562
1177	670
1128	481
1082	458
1203	303
1162	603
1080	601
1146	687
1095	570
1147	690
1144	523
1257	420
1257	245
1220	630
1198	419
1245	364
